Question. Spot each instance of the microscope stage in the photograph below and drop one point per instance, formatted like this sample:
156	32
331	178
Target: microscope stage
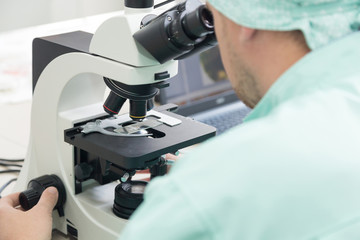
137	152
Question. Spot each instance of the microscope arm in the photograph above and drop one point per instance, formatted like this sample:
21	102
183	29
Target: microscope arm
70	90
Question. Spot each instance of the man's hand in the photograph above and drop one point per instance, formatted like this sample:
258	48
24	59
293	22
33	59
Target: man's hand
171	157
16	224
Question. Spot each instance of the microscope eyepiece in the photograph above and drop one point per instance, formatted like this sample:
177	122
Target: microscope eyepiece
207	18
198	23
177	31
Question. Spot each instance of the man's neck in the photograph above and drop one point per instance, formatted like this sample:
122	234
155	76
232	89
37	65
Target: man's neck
273	54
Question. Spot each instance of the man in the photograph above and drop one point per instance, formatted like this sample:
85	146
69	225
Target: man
292	170
33	224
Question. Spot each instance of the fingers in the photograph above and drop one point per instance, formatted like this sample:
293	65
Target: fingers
47	201
11	200
171	156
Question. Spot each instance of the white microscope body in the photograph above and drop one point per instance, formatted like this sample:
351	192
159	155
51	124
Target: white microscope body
65	94
70	90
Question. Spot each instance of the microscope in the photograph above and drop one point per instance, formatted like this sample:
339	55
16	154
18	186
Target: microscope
81	145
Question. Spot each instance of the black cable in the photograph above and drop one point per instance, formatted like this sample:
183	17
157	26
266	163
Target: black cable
11	160
10	171
10	165
2	188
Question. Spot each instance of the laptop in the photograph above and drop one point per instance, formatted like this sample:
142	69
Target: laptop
202	91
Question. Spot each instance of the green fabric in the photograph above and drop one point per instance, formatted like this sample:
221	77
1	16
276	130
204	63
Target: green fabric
321	21
290	171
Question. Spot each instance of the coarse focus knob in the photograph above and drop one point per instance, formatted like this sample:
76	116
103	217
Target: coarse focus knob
30	197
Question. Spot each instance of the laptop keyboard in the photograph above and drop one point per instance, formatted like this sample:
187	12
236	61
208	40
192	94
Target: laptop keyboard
226	120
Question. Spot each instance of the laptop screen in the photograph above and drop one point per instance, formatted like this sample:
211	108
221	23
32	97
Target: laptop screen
201	83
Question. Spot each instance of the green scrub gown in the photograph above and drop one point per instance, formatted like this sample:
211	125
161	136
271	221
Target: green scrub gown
291	171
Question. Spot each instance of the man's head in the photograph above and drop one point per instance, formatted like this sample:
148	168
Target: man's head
261	39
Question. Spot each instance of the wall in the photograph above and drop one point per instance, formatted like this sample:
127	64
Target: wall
16	14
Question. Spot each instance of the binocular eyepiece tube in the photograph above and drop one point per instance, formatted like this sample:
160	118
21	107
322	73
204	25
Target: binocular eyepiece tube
182	31
198	23
178	31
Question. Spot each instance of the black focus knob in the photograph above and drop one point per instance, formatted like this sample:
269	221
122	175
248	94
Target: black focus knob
30	197
128	196
158	170
83	171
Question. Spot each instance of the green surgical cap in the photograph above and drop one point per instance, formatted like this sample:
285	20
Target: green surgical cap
321	21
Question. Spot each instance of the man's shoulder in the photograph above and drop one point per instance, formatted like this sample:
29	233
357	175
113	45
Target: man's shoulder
267	169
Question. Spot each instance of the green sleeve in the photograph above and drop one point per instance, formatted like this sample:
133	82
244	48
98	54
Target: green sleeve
166	213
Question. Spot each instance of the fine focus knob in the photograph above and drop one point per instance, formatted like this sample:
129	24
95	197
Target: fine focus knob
30	197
